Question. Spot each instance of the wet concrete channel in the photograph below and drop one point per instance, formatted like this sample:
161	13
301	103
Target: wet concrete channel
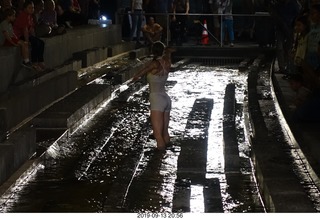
109	163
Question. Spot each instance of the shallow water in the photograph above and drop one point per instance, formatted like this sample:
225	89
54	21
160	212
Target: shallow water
113	150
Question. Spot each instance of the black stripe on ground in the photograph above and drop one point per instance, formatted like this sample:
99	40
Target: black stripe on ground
192	160
193	155
231	150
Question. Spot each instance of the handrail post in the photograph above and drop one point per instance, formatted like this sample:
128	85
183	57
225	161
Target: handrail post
168	29
221	23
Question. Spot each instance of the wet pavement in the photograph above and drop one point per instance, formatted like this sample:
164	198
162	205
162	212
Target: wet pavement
109	164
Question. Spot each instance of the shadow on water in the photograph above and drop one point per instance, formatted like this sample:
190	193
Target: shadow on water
144	194
109	165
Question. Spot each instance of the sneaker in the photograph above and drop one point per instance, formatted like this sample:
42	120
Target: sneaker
231	45
27	64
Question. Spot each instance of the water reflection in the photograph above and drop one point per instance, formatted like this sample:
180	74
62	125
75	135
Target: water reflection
197	199
98	161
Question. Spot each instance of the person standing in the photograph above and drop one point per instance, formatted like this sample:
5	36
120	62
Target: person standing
216	19
157	72
179	22
137	16
162	9
225	8
284	12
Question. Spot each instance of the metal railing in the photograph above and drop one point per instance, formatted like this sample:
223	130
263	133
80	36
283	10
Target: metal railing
194	19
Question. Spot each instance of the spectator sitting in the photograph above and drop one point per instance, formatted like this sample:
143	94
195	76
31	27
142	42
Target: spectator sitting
4	4
152	31
49	16
42	29
23	27
70	13
8	38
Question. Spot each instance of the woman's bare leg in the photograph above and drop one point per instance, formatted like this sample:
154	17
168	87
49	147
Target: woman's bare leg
165	132
157	119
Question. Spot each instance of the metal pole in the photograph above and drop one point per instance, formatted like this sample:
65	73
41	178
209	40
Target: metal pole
221	40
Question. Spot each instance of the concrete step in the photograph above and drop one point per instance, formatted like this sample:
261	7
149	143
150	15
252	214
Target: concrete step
67	113
280	186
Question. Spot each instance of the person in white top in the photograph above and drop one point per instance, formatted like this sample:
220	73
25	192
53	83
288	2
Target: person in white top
157	72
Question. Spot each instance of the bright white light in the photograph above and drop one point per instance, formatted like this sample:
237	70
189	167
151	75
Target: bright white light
103	18
197	199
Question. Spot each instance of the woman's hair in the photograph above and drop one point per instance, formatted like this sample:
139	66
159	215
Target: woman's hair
157	49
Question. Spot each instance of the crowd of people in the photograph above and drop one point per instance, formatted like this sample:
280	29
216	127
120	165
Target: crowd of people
296	30
178	21
297	43
297	33
183	13
24	22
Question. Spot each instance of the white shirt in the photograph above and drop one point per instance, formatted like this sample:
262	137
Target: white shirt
137	4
